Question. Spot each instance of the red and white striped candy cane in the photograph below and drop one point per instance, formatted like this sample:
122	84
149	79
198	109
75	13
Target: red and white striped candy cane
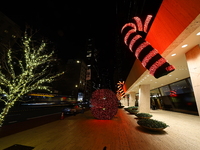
134	38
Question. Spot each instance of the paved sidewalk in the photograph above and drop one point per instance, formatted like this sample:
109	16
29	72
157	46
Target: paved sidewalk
84	132
29	124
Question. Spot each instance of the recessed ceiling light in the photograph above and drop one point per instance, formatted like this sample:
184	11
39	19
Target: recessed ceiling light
198	33
185	45
173	54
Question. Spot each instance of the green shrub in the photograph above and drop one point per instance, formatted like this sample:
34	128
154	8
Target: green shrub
133	111
126	109
151	123
131	108
143	115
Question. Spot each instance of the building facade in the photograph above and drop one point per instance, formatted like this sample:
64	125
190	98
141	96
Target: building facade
175	34
91	59
73	83
9	32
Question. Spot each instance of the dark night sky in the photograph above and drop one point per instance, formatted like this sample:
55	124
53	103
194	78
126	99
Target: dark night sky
68	23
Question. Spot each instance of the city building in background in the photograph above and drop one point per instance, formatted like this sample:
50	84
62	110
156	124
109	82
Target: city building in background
92	75
73	82
9	32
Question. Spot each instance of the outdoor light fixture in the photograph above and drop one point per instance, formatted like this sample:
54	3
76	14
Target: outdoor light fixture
173	54
185	45
198	33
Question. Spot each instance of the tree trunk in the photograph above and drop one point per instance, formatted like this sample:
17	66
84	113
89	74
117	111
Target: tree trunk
4	113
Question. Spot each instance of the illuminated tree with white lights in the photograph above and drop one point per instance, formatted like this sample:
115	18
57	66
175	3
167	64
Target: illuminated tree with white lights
24	71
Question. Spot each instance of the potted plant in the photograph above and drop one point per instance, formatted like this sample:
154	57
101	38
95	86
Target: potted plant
131	108
144	115
134	107
133	111
152	124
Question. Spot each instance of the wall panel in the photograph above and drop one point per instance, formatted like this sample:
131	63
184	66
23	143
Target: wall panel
172	18
193	59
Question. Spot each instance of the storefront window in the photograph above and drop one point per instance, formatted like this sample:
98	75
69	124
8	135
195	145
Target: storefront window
156	102
180	87
176	96
190	83
155	93
165	91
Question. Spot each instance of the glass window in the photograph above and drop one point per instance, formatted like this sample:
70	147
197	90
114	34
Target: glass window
155	93
190	83
165	91
180	87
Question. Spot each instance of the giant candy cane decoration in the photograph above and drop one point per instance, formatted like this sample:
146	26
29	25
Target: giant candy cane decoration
148	56
120	91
